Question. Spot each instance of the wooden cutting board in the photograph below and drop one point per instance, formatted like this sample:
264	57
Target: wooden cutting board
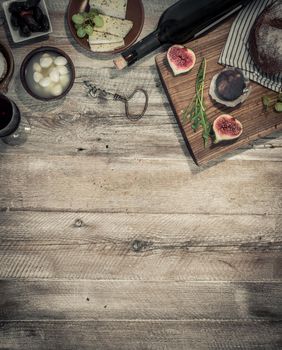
181	89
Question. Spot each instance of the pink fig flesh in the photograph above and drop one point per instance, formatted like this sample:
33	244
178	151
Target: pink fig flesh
227	128
181	59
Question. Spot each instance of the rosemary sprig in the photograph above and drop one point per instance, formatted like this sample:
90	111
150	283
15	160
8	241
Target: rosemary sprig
196	109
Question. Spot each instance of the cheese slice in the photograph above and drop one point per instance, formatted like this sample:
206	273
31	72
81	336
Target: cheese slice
115	26
114	8
106	47
103	38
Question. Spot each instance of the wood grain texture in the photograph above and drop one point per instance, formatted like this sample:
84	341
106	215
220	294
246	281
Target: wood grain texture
112	238
181	90
126	246
103	184
142	300
140	335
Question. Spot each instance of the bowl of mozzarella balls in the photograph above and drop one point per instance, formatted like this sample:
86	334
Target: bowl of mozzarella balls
47	73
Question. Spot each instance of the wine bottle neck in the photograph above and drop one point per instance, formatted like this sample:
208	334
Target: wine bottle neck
150	43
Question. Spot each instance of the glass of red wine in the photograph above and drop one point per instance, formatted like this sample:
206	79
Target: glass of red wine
13	128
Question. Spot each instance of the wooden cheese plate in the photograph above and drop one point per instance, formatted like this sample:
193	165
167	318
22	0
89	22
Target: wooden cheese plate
181	89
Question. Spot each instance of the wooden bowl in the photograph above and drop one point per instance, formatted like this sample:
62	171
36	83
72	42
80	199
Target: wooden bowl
24	67
135	13
7	53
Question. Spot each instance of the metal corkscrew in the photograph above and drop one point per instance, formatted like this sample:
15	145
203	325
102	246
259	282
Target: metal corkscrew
96	92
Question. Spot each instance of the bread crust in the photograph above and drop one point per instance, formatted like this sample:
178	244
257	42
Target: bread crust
265	40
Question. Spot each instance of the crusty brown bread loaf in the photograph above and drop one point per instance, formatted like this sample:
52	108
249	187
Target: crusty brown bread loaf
265	39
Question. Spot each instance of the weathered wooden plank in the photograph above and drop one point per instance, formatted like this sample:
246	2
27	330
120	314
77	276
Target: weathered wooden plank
142	300
140	335
92	133
139	185
126	246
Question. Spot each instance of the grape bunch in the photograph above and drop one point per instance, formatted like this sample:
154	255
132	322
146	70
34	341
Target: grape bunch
85	22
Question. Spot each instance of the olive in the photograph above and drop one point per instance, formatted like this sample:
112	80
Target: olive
31	23
37	14
16	7
31	3
44	24
15	20
25	31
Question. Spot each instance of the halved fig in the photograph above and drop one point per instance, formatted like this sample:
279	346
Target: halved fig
226	128
181	59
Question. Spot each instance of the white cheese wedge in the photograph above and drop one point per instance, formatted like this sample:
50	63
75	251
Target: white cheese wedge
106	47
114	8
115	26
103	38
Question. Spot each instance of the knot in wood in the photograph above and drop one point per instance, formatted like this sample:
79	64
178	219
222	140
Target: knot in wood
138	245
78	223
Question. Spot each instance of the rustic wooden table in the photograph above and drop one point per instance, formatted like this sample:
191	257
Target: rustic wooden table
112	238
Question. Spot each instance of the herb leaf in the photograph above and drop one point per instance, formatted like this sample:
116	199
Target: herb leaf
196	109
266	102
278	107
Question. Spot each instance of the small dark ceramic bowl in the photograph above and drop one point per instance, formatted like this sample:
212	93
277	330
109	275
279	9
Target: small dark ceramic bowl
24	67
7	53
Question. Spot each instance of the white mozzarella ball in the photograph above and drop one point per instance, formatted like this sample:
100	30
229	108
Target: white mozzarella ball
65	80
37	77
37	67
56	90
46	54
54	75
62	70
46	62
45	82
60	61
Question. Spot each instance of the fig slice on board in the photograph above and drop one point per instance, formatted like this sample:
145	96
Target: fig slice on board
181	59
226	128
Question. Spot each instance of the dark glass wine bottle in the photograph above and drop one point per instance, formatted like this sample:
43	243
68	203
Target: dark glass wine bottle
183	21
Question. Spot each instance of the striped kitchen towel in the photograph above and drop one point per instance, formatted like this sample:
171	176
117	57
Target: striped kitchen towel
236	49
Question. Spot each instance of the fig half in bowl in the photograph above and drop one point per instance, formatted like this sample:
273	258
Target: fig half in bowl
47	73
230	87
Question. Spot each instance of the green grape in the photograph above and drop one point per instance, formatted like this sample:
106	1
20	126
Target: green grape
85	15
99	22
78	18
278	107
81	32
88	29
93	12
